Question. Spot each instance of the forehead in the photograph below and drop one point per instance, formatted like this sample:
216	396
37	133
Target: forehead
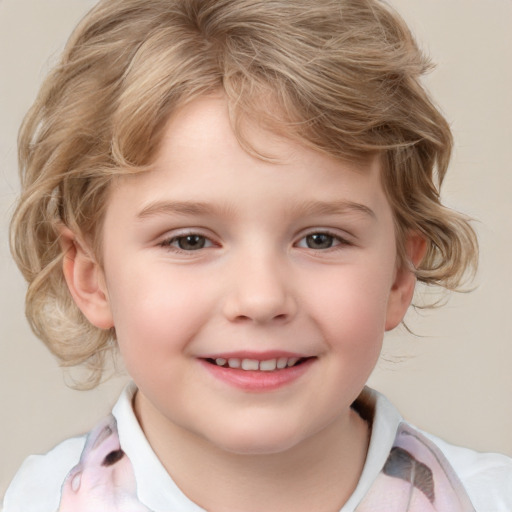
200	159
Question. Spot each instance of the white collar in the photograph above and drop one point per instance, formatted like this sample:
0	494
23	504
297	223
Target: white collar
384	419
157	490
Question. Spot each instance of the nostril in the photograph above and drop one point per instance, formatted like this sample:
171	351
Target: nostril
113	457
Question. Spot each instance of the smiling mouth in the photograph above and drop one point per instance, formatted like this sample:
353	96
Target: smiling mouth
268	365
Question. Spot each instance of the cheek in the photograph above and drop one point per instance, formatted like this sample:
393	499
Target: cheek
353	301
153	309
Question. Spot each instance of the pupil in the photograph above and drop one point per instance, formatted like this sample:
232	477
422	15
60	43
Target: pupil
319	241
191	242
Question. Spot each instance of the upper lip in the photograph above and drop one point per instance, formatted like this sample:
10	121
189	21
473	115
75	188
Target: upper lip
255	355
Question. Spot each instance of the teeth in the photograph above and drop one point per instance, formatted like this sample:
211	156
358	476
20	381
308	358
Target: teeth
292	361
282	362
234	362
268	365
250	364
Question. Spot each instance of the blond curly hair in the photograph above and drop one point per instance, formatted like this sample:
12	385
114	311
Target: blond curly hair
343	74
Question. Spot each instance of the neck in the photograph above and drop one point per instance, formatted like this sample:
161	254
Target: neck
319	474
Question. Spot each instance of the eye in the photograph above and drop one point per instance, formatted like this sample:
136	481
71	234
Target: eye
187	242
190	242
321	241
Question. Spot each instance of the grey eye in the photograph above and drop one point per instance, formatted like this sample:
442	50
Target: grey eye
319	241
191	242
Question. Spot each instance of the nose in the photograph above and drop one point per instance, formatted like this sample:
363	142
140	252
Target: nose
260	291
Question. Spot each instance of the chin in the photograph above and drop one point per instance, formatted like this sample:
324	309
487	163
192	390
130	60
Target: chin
257	439
257	447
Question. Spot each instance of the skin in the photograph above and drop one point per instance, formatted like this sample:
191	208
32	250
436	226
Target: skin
299	257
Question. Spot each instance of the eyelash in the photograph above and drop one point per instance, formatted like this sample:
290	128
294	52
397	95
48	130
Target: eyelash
168	242
341	242
337	240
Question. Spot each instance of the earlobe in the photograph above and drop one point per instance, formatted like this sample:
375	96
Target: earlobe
402	290
85	280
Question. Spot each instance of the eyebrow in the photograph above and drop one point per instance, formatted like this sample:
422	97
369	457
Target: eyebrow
197	208
178	208
334	208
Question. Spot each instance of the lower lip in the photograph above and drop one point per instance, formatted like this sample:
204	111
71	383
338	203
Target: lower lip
258	381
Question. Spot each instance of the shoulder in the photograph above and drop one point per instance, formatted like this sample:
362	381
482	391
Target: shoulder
487	477
37	484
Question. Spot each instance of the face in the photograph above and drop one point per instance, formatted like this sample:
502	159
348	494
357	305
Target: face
249	298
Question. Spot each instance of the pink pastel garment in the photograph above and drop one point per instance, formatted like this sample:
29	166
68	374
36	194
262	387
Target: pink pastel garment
415	478
104	478
114	469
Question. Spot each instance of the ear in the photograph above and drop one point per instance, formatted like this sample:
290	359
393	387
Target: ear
85	280
402	289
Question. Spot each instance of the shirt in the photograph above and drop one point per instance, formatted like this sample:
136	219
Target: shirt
114	469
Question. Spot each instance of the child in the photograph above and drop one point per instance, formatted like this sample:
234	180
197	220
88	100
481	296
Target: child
240	196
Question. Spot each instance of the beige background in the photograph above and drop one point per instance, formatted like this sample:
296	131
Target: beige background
453	380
